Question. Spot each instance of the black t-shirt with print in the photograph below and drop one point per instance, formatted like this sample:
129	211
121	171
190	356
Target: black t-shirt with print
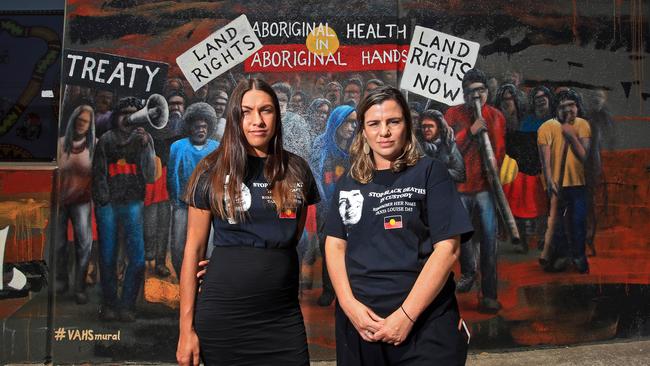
391	225
263	226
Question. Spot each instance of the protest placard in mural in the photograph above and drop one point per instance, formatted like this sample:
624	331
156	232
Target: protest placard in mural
219	52
116	73
436	64
337	45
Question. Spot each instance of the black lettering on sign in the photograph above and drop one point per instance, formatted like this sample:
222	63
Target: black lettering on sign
127	76
434	86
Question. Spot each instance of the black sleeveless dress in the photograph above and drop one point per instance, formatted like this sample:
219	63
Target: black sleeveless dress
247	312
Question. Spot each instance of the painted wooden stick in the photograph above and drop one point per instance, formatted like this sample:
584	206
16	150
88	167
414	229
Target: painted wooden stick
487	156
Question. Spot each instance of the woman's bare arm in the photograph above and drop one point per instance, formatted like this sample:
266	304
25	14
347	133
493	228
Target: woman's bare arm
433	276
427	286
198	230
363	318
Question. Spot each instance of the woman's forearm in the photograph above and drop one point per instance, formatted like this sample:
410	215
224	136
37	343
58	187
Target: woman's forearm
198	229
433	277
188	286
335	254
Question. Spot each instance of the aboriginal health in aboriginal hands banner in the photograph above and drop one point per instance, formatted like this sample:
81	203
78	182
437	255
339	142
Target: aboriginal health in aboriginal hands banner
333	45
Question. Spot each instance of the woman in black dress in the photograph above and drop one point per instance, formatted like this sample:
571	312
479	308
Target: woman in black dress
255	194
394	230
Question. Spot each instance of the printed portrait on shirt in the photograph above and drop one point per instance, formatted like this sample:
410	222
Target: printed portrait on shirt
244	201
350	204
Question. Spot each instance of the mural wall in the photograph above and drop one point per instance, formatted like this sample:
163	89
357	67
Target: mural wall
120	57
26	210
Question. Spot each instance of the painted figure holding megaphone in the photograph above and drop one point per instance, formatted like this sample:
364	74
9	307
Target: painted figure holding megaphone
123	163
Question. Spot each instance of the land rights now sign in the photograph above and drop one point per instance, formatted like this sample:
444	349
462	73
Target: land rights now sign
436	64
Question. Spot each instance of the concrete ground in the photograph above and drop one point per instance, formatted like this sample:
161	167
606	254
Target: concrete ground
624	353
611	354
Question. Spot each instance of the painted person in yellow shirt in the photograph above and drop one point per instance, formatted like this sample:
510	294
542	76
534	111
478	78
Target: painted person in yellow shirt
564	143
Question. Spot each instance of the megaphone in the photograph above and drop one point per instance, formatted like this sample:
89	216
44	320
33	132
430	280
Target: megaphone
155	113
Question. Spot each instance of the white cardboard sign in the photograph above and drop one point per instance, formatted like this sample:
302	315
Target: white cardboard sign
436	64
219	52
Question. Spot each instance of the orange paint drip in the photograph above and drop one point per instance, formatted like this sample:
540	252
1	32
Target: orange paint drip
23	217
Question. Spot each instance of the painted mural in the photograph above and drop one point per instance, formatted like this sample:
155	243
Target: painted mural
25	214
561	258
30	62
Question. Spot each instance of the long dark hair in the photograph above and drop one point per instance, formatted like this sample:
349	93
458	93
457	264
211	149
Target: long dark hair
439	119
569	94
517	97
281	170
547	93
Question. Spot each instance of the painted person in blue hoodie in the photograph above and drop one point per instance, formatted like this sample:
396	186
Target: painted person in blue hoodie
329	160
199	122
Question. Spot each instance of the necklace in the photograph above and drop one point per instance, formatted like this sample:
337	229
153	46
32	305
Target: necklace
77	147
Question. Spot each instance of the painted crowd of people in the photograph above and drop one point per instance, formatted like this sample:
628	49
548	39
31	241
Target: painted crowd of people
129	177
133	176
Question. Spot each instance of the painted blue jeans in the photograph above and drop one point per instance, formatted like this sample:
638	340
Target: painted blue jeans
179	232
481	205
571	210
109	216
79	215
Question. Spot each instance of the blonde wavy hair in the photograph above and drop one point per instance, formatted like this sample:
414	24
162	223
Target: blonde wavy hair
363	165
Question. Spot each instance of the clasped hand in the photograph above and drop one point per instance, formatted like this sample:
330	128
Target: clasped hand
372	328
142	135
568	131
478	126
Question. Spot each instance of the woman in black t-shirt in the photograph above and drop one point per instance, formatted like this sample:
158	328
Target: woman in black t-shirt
255	194
393	231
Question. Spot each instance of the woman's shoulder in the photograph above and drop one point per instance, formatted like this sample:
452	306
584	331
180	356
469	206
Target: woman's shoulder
427	162
300	164
430	166
296	160
203	172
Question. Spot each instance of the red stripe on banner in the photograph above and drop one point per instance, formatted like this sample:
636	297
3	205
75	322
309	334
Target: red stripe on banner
115	169
296	57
